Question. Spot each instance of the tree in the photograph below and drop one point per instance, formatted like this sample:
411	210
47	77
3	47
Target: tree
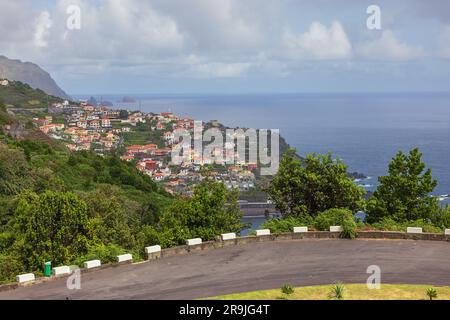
313	185
211	211
404	194
51	227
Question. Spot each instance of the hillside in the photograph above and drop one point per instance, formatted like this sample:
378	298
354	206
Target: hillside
20	95
31	74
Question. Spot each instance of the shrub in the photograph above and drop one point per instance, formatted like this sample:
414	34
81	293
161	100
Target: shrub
10	267
337	291
333	217
432	293
287	289
104	253
389	224
280	225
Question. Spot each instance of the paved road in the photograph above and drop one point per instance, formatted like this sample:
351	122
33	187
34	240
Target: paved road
256	266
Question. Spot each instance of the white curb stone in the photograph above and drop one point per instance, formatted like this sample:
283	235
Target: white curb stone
263	232
335	229
152	249
62	271
92	264
124	258
193	242
413	230
447	232
27	277
300	229
228	236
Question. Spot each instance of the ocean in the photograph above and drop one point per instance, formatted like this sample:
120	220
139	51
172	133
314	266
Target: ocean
365	130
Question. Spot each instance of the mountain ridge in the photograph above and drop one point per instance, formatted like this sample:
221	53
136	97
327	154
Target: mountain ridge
31	74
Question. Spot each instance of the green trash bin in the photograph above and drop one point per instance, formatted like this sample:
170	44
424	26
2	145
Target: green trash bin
48	269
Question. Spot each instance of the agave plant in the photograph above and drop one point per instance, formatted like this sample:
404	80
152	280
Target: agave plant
432	293
287	289
337	291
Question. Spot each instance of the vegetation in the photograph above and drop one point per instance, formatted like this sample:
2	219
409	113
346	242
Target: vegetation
401	200
21	95
403	194
337	291
287	289
71	207
352	292
432	293
312	185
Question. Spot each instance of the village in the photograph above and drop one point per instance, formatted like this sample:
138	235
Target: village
145	139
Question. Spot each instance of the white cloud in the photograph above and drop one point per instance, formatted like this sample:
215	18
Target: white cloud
389	48
319	42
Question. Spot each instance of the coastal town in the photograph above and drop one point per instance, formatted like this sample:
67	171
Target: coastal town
145	139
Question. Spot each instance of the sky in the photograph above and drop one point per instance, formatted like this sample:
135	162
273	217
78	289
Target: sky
232	46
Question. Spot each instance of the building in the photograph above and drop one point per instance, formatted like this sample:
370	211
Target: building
4	82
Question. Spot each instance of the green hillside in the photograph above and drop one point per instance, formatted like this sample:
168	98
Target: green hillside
20	95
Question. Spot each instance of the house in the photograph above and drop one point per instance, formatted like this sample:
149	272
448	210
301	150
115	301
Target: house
169	137
106	123
4	82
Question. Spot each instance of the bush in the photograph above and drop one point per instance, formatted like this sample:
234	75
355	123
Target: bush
10	267
287	289
337	217
104	253
337	291
432	293
388	224
280	225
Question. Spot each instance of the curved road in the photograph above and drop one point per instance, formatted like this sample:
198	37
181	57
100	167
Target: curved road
265	265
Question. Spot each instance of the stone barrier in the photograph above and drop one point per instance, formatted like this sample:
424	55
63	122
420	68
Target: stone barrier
262	232
300	229
92	264
124	258
194	242
24	278
413	230
61	271
228	236
447	232
335	229
153	252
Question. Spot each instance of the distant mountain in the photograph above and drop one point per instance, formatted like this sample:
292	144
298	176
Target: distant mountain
30	74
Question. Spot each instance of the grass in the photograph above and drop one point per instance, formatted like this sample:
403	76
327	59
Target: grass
352	292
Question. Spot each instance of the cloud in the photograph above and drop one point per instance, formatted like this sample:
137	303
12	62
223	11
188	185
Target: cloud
389	48
319	42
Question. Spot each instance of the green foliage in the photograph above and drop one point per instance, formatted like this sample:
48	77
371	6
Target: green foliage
337	292
53	227
281	225
312	185
403	194
431	293
389	224
21	95
104	253
287	289
337	217
211	211
10	267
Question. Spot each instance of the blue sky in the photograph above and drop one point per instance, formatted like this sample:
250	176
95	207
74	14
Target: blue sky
232	46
